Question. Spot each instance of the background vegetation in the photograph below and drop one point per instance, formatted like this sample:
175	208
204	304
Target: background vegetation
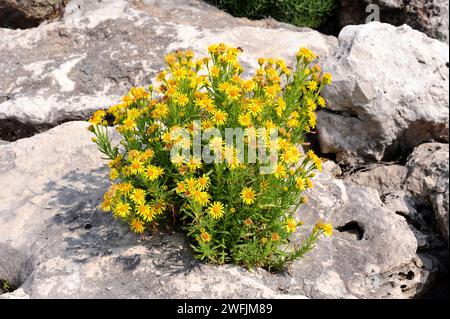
303	13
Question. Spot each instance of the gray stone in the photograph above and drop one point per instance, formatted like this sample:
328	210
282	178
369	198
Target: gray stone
64	70
401	203
428	172
390	93
370	252
383	178
428	16
56	243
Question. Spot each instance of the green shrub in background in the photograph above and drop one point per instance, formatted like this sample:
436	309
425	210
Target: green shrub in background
303	13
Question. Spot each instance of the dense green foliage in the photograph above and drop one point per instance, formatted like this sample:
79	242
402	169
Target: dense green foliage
303	13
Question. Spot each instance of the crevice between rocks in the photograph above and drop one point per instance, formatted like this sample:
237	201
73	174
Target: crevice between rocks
12	129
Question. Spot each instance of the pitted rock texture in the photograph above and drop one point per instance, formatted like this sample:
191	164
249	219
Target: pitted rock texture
390	93
64	70
56	243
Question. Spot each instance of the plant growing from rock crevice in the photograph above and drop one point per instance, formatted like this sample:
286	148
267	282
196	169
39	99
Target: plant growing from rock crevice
236	198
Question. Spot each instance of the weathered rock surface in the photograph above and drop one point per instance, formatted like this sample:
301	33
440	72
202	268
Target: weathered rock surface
24	14
64	70
428	16
428	179
55	242
384	179
423	181
390	93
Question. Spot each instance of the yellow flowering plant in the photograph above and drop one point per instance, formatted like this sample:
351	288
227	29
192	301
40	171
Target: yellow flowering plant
236	198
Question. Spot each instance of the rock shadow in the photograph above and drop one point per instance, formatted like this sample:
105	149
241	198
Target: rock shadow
88	231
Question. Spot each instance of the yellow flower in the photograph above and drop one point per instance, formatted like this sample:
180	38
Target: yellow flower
312	85
170	58
137	166
306	54
272	91
219	117
229	153
316	160
300	182
248	85
321	101
138	196
153	172
194	163
181	99
122	209
291	225
159	207
207	124
181	188
224	87
216	210
125	187
137	226
328	229
255	107
203	182
248	195
145	212
114	174
200	197
106	205
129	124
234	93
280	171
205	237
293	122
326	78
98	117
216	143
191	184
312	119
215	71
248	222
178	160
291	155
309	183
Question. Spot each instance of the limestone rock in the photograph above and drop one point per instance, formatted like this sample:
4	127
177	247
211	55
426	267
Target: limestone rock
428	172
384	179
370	253
66	69
428	16
56	243
390	93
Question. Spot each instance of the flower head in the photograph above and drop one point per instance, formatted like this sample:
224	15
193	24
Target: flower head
137	226
216	210
248	195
